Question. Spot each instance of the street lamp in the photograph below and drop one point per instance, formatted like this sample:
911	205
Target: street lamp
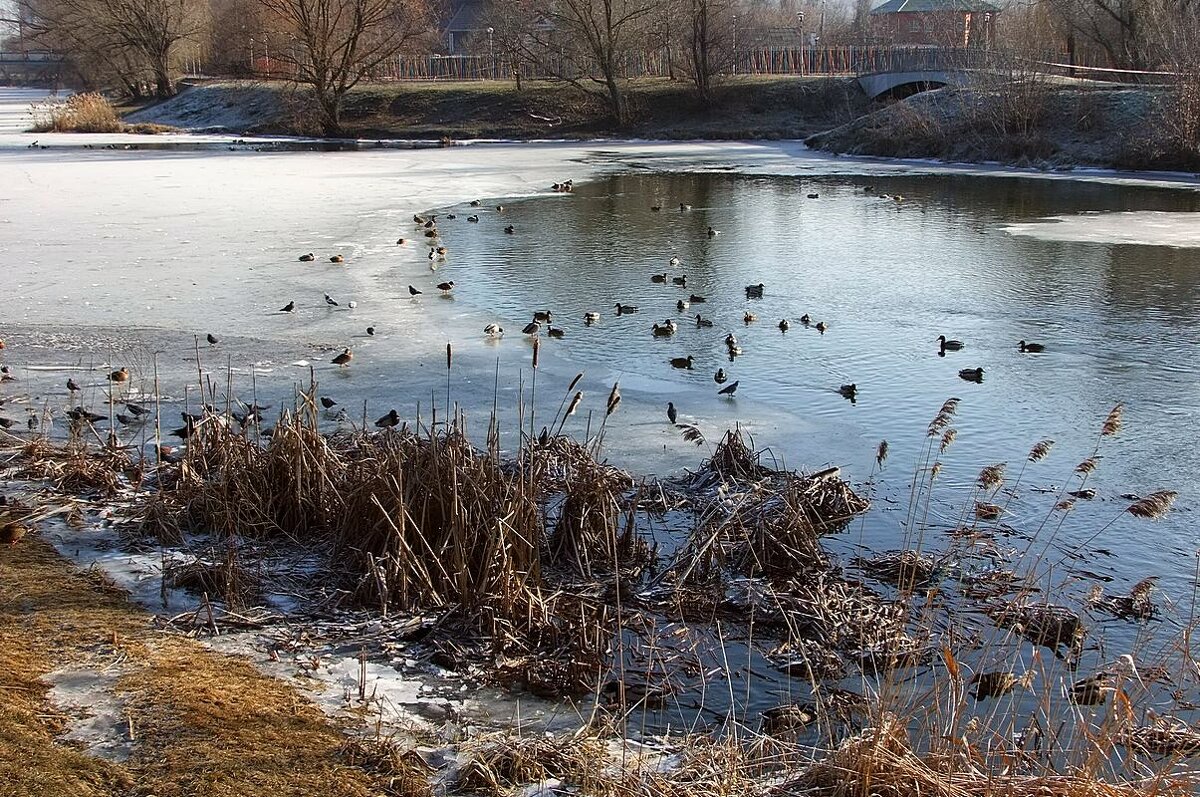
491	52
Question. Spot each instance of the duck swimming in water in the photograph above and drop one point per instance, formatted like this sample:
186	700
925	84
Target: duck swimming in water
719	377
701	321
308	258
1030	348
682	305
590	318
681	280
625	309
971	374
784	326
949	345
682	362
754	291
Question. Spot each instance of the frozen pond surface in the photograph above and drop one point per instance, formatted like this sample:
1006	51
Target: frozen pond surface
129	258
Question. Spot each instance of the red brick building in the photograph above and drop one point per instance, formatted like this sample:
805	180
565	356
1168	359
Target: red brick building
936	23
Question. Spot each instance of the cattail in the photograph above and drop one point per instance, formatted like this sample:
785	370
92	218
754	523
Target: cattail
691	434
991	477
1065	505
575	381
1041	450
1088	465
614	398
1153	506
881	454
935	470
574	405
537	345
1112	424
948	438
449	356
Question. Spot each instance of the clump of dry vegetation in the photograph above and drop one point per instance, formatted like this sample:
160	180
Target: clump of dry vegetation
90	112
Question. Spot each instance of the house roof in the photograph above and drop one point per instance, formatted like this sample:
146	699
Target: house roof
918	6
470	15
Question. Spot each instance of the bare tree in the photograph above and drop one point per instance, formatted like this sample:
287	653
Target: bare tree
341	42
124	37
583	42
709	40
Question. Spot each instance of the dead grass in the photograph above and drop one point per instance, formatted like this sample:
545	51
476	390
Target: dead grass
203	724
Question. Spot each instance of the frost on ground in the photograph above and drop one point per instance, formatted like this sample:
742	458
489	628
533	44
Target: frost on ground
86	693
233	107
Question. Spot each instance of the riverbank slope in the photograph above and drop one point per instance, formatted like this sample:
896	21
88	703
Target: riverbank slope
743	108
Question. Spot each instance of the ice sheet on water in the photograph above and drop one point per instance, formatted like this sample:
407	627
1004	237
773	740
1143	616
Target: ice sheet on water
1138	227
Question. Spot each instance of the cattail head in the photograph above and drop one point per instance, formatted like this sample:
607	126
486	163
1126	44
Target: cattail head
574	405
881	453
991	477
537	346
614	398
1112	424
1141	590
1154	506
575	381
449	356
1041	450
948	438
1088	465
935	470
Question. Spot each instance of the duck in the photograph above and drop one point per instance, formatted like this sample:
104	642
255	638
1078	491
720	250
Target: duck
784	326
949	345
329	300
543	315
72	385
473	219
749	318
446	287
694	299
11	533
344	358
729	389
388	421
288	308
510	230
661	331
713	233
730	340
719	377
682	305
307	257
805	319
813	196
625	309
681	280
119	375
475	203
701	321
212	339
499	208
754	291
556	332
493	330
401	241
674	262
413	291
1030	348
821	326
336	259
418	219
849	391
683	206
682	362
655	208
971	374
591	317
671	412
532	328
328	403
659	278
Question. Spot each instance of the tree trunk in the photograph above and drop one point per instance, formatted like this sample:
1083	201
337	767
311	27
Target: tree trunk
164	84
330	103
616	100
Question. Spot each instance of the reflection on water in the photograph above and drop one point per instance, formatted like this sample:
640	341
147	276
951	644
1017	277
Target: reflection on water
889	263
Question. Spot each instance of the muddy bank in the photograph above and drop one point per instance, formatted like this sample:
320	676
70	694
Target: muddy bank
744	108
1024	125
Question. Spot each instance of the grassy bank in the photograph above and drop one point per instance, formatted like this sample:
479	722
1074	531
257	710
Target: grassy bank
1027	124
743	108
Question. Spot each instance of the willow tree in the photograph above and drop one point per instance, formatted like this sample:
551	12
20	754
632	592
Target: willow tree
342	42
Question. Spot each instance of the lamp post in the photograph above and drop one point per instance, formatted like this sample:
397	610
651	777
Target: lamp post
491	52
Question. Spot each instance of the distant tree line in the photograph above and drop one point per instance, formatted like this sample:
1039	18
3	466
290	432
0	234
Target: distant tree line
142	47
